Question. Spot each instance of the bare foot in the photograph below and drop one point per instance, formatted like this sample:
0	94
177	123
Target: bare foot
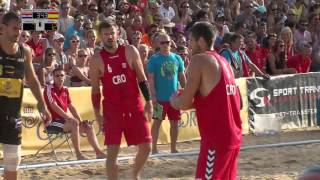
101	155
82	157
174	151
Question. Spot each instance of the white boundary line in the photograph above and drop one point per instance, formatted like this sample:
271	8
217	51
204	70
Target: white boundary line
168	155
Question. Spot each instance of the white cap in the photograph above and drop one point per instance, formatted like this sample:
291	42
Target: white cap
58	36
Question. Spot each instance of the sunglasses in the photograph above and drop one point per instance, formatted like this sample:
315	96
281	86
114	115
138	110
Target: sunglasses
183	54
60	40
79	20
75	41
59	75
82	55
281	45
185	7
94	10
165	42
274	9
51	54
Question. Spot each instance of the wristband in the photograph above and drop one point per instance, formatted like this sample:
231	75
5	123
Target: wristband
144	87
95	98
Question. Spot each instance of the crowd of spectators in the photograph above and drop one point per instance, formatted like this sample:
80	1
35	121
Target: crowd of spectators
257	37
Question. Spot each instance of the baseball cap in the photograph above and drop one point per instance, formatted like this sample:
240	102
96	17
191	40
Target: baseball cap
58	36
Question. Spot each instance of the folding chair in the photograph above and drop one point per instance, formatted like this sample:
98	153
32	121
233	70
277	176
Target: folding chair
53	135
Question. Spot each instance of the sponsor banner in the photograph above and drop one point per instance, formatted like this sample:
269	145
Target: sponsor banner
33	136
283	102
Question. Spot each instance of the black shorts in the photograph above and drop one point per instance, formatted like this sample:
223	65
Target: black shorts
56	125
10	130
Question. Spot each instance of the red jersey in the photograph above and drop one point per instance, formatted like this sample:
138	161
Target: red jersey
119	81
300	63
258	57
218	113
60	96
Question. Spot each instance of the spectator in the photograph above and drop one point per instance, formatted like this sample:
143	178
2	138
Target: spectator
262	32
24	37
222	29
120	21
72	52
108	11
166	9
315	66
200	15
302	34
58	101
299	8
84	7
90	41
287	38
291	20
47	67
136	26
124	7
144	53
183	17
147	38
65	20
87	25
239	61
276	60
76	29
181	41
183	52
302	61
247	18
37	45
255	53
239	28
164	70
154	8
268	43
79	72
136	38
62	60
49	38
314	20
93	15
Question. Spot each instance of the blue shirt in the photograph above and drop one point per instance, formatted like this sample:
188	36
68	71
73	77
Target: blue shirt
166	71
70	32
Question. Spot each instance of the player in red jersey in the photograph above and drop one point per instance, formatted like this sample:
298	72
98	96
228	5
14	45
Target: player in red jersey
120	70
211	89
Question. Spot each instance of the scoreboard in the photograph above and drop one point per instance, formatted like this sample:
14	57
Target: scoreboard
39	19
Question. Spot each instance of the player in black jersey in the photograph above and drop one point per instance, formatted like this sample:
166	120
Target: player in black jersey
15	66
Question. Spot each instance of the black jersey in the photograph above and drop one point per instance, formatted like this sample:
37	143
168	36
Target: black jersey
12	71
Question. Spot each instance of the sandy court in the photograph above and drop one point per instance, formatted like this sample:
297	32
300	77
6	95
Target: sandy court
279	163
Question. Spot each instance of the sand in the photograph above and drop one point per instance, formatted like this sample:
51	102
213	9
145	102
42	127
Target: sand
279	163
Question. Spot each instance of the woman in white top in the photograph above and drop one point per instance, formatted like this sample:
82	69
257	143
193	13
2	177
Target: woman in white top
48	65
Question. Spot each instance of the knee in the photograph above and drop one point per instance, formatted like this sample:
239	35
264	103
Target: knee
145	148
11	157
75	124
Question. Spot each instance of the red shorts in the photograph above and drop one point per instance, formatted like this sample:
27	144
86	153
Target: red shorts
173	114
217	164
134	126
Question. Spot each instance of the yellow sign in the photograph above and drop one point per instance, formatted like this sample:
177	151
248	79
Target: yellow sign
10	88
33	137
